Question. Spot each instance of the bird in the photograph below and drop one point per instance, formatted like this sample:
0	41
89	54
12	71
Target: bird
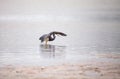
51	36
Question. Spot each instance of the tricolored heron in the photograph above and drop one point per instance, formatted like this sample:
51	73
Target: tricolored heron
50	36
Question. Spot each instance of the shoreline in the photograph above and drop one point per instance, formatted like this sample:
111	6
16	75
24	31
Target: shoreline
92	66
90	70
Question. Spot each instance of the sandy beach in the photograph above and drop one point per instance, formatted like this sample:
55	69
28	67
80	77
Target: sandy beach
90	70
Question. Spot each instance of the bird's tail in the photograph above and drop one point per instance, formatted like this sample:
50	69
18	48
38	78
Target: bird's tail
41	39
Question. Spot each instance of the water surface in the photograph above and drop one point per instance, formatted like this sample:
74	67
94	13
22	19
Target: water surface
92	29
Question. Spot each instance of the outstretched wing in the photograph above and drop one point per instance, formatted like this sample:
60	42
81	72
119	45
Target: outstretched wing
60	33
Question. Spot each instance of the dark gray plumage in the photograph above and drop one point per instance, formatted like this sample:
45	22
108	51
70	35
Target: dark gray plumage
51	36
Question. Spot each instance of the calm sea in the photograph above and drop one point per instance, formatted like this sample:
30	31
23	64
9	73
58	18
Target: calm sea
92	28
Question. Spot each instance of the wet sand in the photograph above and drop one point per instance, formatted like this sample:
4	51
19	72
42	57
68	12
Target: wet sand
90	70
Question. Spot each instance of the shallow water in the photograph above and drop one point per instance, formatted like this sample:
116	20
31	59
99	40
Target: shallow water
92	29
20	43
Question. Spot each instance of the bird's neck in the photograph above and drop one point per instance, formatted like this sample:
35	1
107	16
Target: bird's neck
52	38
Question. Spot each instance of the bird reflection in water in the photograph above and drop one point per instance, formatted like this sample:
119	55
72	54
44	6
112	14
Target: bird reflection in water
52	51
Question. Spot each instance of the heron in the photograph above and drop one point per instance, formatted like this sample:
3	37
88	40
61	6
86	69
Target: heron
51	36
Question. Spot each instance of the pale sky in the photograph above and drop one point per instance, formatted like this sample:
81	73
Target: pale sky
42	8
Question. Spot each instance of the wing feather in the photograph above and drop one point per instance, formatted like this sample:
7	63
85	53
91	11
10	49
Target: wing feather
60	33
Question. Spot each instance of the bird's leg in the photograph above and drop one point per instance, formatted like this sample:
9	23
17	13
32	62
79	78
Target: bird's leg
46	40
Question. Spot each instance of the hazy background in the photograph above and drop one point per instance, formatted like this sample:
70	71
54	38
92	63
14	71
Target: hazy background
83	20
60	10
91	26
